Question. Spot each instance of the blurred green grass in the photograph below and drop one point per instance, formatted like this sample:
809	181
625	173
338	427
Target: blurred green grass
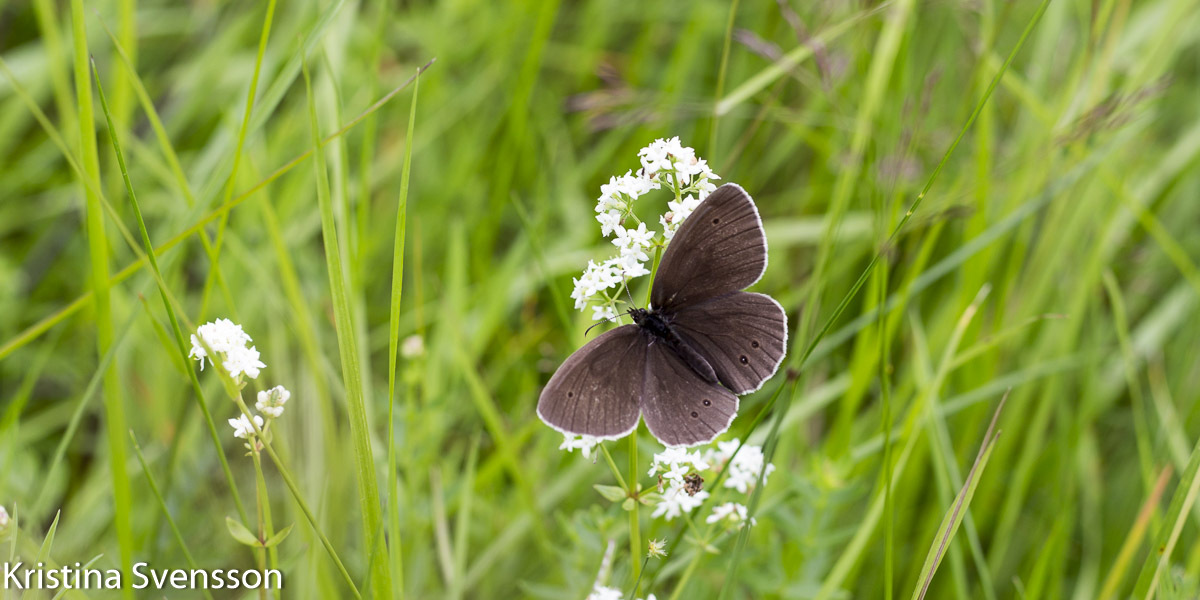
1073	197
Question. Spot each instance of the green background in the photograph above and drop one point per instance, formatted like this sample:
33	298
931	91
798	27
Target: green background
1054	254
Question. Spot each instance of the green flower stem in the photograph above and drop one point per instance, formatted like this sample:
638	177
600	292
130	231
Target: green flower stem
260	497
613	465
635	537
267	525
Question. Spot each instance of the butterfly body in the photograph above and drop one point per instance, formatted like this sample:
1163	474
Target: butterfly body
657	326
683	362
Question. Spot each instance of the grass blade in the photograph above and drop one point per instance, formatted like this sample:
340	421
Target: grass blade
98	249
1159	558
360	434
393	490
953	518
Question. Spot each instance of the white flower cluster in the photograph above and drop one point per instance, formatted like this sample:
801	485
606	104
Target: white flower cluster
270	402
665	163
731	512
668	159
585	443
231	345
743	470
227	339
3	518
601	592
673	465
675	462
242	428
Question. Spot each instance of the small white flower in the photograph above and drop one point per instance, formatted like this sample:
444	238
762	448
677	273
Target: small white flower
679	211
633	242
227	339
242	428
242	359
628	267
601	592
596	278
676	462
3	518
656	549
221	336
732	512
412	346
676	501
610	221
585	444
604	313
620	191
744	468
663	155
270	402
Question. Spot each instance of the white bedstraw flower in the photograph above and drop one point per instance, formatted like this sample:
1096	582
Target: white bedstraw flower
620	191
675	462
656	549
634	242
585	444
3	518
603	313
242	428
678	212
744	468
732	512
270	402
628	267
610	221
412	346
221	336
662	155
243	359
596	278
227	339
601	592
676	501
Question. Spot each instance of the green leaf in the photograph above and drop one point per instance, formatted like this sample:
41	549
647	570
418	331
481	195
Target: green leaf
278	537
241	534
612	493
629	504
650	499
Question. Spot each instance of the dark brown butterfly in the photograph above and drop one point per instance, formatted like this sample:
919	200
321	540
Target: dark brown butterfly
687	357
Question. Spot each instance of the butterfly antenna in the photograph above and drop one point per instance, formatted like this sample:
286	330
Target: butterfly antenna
595	325
627	292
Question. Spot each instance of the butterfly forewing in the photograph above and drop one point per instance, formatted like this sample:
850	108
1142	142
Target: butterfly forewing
742	335
720	248
680	408
596	391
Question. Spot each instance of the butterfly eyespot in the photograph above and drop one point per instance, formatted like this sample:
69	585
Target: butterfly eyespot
744	360
570	394
707	403
753	344
695	414
715	221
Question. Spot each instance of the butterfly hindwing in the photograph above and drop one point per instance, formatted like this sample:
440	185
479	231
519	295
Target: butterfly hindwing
596	391
720	248
742	335
679	407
